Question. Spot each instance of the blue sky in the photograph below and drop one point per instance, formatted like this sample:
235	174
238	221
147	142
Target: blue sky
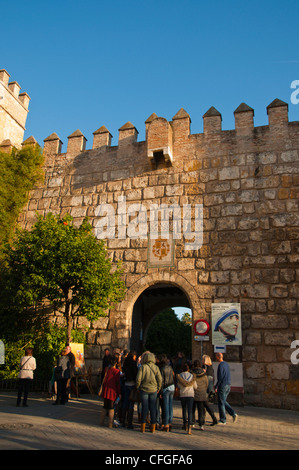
93	63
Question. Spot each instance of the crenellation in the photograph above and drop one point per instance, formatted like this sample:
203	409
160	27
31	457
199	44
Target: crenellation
24	98
102	138
277	112
14	87
127	134
52	145
212	120
76	143
4	77
173	139
244	124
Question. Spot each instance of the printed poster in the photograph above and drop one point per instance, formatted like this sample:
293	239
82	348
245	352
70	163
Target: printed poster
226	324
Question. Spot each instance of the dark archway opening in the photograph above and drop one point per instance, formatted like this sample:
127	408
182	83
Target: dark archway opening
148	312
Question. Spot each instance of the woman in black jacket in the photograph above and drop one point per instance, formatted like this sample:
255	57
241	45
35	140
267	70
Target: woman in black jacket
62	374
129	370
167	391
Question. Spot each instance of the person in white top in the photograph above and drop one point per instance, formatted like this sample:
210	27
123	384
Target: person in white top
27	366
186	382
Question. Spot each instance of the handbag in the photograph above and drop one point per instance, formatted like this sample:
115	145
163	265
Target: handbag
134	395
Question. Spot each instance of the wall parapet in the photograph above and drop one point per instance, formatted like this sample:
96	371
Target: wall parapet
164	136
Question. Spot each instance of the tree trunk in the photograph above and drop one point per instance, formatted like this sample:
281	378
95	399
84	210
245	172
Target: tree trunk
69	329
68	317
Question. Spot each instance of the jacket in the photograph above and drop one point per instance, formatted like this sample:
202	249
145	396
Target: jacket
187	384
167	376
62	370
149	377
130	370
27	366
111	385
202	381
223	375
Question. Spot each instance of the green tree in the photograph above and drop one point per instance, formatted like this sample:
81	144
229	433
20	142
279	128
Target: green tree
64	264
187	318
168	334
20	170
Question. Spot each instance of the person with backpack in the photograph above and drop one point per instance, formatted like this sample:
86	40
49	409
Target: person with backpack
148	382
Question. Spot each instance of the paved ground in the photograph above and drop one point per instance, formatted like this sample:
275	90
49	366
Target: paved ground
74	426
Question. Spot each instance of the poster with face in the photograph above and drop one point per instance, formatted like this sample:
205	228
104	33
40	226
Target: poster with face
226	324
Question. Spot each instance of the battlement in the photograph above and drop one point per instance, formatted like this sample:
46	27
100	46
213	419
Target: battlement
13	112
165	137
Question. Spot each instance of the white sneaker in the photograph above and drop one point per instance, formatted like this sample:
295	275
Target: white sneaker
235	418
201	428
221	422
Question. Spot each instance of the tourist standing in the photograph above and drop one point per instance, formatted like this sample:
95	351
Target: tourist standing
62	375
148	382
130	373
201	396
168	388
110	392
27	366
207	365
72	360
222	388
187	384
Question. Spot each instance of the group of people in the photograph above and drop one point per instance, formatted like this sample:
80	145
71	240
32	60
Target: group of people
148	380
153	381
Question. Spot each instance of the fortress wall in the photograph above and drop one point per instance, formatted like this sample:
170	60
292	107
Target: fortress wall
247	180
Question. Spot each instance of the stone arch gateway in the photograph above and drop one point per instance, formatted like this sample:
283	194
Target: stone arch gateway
180	289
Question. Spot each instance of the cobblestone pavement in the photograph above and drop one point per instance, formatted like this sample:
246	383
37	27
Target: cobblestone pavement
75	426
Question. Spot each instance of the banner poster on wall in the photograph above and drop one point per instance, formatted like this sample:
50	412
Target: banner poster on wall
226	324
78	351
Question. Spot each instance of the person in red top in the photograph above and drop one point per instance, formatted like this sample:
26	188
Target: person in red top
110	392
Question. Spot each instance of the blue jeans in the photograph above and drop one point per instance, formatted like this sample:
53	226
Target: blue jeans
223	406
148	403
187	409
167	404
126	403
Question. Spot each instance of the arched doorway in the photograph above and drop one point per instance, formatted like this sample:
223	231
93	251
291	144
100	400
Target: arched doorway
151	302
126	330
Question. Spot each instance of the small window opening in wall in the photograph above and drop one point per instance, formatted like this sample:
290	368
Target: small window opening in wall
159	161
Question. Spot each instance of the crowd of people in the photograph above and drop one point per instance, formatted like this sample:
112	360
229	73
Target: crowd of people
149	381
152	382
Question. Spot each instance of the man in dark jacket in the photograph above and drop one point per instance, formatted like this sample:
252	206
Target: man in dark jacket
223	388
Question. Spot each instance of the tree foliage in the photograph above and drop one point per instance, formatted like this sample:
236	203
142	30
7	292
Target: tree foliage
20	170
64	264
47	343
168	334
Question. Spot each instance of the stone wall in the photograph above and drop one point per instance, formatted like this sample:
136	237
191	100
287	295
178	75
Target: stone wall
247	180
